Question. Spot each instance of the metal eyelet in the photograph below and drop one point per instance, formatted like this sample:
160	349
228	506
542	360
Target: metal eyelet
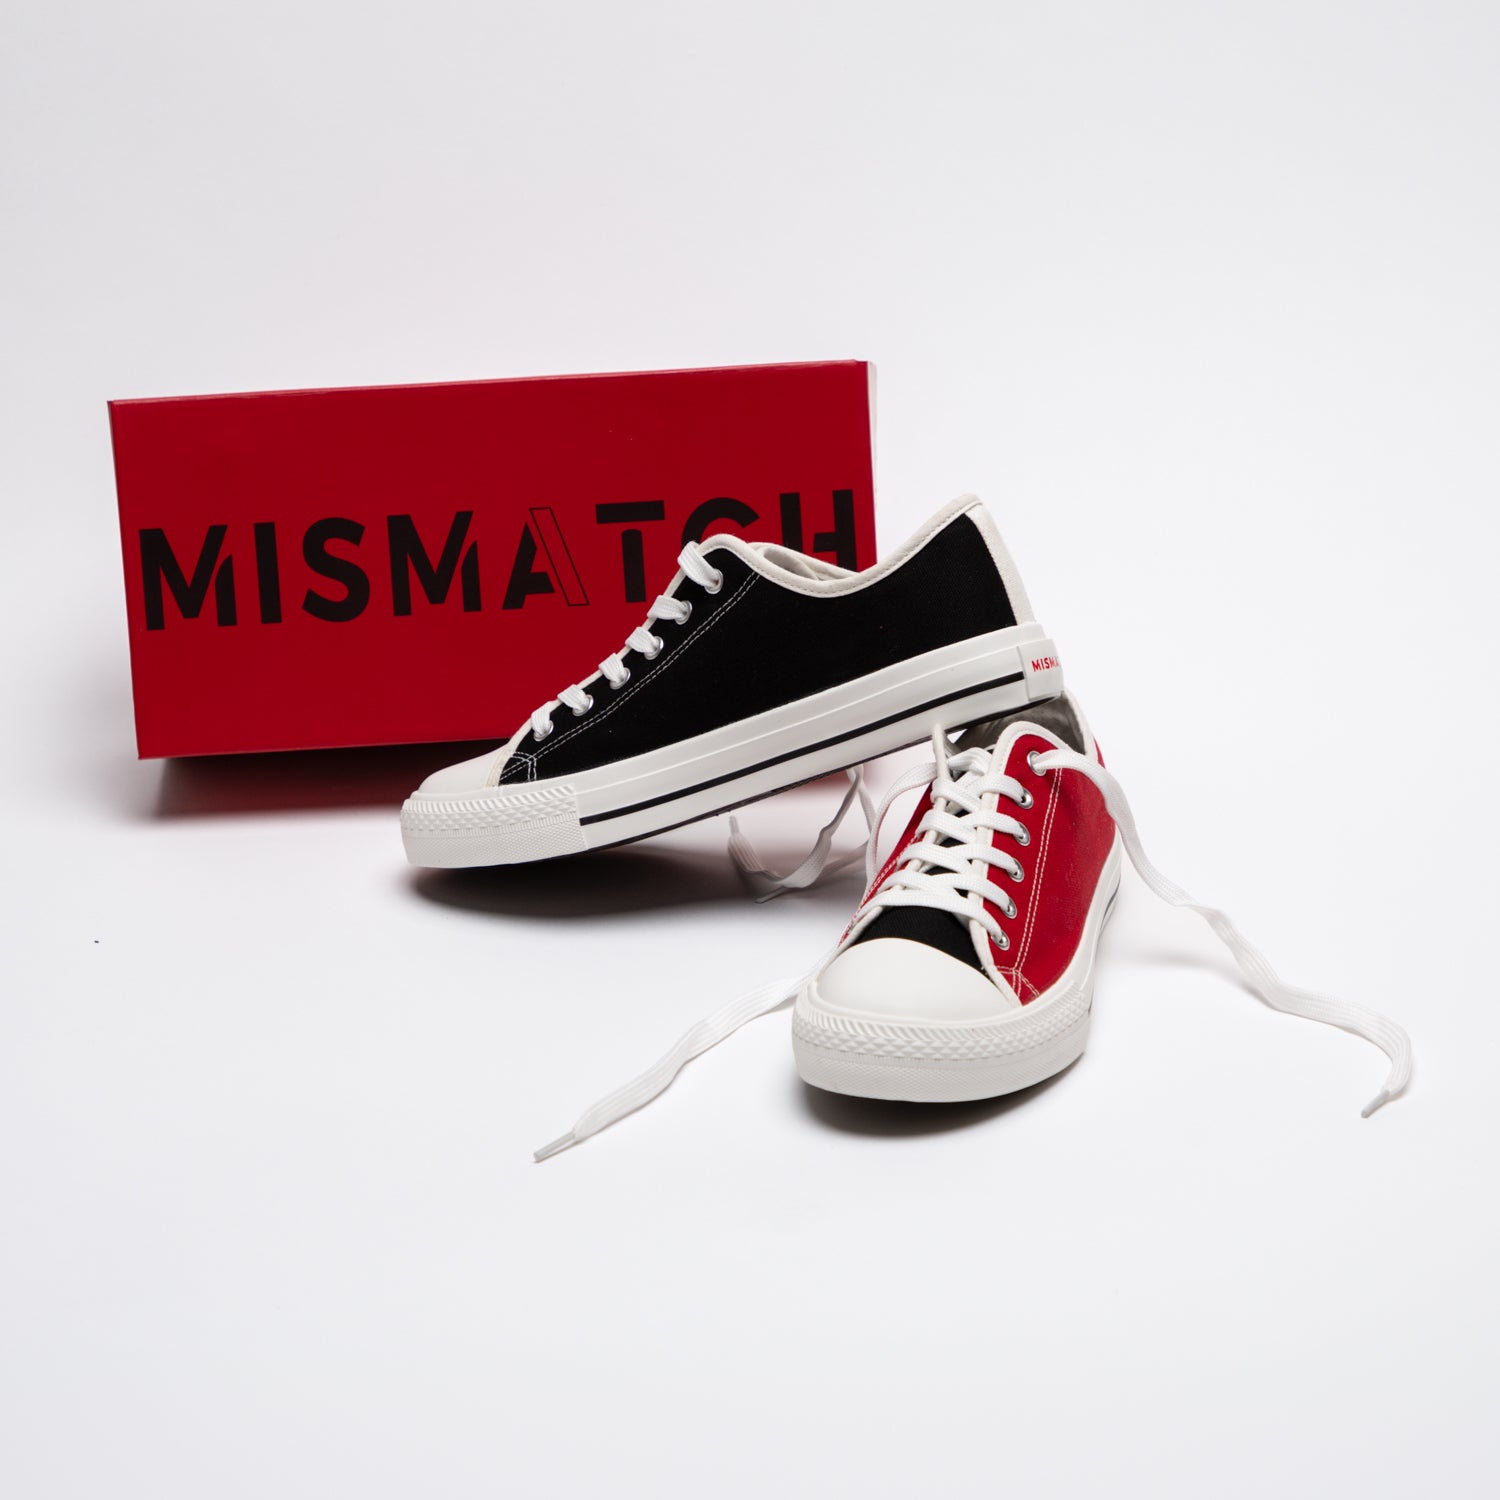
716	585
1014	911
1031	756
538	736
687	611
578	713
1018	874
1023	838
652	655
615	687
1004	944
1027	802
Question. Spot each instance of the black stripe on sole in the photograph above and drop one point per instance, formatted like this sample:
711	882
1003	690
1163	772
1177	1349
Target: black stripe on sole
776	760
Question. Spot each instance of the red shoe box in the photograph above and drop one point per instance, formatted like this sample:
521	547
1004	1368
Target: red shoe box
394	564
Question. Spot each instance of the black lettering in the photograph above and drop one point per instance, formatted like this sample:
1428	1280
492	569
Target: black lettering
841	540
408	555
342	570
525	578
791	521
549	534
720	508
159	564
632	542
268	572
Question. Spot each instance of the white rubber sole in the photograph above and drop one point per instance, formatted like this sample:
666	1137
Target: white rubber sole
934	1062
629	799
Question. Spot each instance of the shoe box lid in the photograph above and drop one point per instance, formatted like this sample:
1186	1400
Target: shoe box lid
403	564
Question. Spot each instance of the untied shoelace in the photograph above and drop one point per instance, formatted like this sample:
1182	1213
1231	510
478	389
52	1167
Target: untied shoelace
820	861
956	780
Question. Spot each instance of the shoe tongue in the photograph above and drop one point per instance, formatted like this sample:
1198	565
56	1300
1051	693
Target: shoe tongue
1056	716
798	564
928	926
943	930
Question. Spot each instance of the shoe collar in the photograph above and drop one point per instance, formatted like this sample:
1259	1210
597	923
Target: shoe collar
803	574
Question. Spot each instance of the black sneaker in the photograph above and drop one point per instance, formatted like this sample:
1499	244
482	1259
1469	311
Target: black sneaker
759	668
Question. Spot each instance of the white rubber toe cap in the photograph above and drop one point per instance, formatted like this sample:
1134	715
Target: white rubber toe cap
894	979
467	776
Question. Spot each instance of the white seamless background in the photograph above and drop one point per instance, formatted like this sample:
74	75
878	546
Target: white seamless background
1202	300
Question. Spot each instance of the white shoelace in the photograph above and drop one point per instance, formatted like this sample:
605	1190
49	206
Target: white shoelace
820	861
931	872
946	865
695	566
1264	980
712	1030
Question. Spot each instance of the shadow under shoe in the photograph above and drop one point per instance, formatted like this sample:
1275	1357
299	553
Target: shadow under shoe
611	882
898	1117
294	780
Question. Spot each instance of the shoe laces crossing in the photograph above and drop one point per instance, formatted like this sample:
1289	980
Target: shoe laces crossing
643	640
946	867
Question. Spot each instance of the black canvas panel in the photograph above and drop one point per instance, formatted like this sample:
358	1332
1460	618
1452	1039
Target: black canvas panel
755	646
924	924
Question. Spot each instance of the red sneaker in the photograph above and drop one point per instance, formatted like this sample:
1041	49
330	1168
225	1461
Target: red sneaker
968	970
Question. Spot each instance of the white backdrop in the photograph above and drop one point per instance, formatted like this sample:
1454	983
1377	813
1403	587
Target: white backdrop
1203	300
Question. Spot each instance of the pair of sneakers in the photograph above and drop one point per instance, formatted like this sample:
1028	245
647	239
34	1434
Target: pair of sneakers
967	970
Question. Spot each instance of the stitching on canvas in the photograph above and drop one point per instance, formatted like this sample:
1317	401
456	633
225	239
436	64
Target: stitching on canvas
888	868
672	661
528	760
1036	884
1014	976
